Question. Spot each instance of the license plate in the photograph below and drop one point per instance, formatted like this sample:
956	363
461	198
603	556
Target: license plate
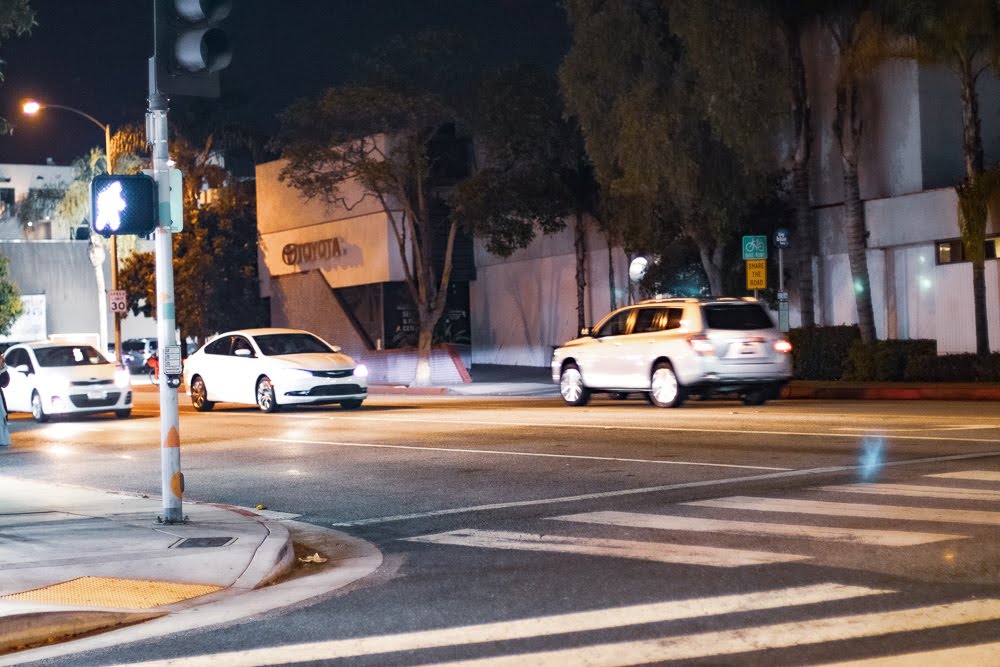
95	395
746	349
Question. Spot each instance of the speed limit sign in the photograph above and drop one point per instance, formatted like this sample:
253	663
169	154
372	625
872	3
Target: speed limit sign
117	301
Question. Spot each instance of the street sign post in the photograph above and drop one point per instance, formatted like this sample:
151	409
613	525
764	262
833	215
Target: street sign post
756	274
754	247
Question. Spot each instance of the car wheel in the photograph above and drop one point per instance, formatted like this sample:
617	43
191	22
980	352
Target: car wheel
757	396
265	395
351	404
123	414
37	411
199	395
664	389
571	386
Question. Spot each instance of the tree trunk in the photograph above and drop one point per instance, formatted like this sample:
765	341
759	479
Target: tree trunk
580	245
611	274
802	118
979	300
711	262
972	139
425	337
97	254
847	127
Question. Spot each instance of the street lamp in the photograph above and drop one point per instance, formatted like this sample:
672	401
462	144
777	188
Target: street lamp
32	107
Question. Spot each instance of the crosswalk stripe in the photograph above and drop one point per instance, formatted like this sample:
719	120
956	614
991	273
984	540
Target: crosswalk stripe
917	490
884	512
884	538
744	640
543	626
961	656
652	551
974	475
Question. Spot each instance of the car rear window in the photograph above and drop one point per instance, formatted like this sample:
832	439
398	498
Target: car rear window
737	316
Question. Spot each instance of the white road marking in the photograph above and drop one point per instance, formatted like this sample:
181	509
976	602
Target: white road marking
884	538
974	475
916	491
591	546
626	427
884	512
900	429
767	637
543	626
961	656
460	450
649	489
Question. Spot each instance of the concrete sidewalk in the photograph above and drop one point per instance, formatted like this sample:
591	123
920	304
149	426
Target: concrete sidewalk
76	560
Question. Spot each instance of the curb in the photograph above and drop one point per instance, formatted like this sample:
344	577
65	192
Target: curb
42	627
898	393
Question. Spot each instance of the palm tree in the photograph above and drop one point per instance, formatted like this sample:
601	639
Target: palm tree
965	38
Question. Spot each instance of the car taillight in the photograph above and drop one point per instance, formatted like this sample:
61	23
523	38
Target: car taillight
701	345
782	346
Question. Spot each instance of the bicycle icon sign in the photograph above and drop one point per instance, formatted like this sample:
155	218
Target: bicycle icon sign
754	247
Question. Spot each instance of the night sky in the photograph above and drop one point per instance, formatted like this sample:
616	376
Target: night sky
92	55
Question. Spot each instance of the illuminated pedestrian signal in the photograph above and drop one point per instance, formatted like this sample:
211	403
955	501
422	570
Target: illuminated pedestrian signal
123	204
191	46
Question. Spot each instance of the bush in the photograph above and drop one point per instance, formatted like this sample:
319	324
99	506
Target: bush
954	368
888	360
819	353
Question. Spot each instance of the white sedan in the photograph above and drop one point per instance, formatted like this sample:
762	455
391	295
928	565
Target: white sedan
272	368
56	378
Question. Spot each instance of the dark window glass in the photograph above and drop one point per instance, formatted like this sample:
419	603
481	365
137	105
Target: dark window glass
737	317
276	344
220	346
16	358
69	355
648	320
992	245
953	251
616	326
240	343
133	346
674	318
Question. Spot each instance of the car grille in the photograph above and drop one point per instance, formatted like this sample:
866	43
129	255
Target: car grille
333	374
335	390
91	383
81	400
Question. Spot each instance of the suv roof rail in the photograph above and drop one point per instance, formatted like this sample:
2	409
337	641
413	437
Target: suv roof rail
671	299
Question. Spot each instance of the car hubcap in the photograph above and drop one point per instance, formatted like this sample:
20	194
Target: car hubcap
36	406
571	385
198	393
664	385
264	395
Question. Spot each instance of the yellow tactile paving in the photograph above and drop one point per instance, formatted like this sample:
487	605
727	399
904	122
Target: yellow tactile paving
113	592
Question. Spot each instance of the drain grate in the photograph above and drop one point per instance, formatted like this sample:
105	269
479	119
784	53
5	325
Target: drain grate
115	593
200	542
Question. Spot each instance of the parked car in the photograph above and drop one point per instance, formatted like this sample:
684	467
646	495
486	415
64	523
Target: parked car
272	368
50	379
136	353
669	349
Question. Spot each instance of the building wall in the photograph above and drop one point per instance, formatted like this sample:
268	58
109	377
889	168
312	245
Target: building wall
22	178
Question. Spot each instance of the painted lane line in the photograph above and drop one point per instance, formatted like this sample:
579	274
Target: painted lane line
973	475
460	450
961	656
883	538
591	546
762	638
543	626
649	489
677	429
916	491
883	512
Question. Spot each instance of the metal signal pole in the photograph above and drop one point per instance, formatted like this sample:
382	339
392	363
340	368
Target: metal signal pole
171	477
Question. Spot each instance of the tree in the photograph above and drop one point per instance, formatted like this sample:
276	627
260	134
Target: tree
11	307
16	18
965	38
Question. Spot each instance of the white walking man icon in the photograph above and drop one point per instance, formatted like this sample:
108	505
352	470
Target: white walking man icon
110	205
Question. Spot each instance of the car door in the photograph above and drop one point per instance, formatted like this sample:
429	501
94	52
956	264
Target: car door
602	367
244	367
213	367
18	392
652	339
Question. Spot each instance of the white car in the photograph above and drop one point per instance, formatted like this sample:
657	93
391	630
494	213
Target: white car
669	349
272	368
51	379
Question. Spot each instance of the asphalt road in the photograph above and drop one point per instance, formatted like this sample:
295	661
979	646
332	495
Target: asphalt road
520	531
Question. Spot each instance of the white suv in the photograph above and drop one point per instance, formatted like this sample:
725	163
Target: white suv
672	348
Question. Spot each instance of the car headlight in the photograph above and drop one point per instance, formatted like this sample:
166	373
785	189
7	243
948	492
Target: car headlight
293	374
122	378
361	371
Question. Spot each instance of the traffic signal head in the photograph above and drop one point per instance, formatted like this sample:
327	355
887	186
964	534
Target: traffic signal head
123	204
191	47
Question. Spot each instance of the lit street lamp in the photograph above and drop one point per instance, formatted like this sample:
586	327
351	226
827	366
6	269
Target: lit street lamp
32	107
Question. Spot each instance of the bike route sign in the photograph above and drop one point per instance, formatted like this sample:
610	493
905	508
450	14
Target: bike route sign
754	247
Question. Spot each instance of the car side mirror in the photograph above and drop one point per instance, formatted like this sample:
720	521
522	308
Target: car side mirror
23	368
335	348
243	353
585	331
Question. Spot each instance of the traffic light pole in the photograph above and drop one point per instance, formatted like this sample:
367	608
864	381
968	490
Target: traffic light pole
171	477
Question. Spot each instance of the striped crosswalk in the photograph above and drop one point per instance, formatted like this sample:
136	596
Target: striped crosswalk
903	516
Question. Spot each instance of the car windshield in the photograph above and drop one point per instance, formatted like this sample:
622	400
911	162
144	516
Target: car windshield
739	317
134	346
69	355
295	343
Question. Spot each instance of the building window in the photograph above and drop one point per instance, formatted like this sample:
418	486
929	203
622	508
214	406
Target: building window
952	251
6	202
